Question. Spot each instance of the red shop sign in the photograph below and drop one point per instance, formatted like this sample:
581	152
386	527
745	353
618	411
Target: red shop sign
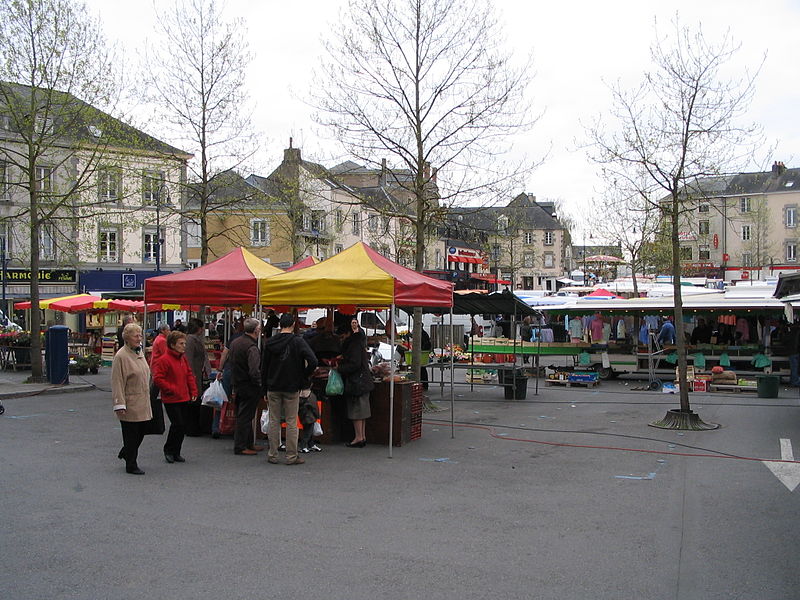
716	241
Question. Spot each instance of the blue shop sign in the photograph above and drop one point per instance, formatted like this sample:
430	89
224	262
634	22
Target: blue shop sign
110	280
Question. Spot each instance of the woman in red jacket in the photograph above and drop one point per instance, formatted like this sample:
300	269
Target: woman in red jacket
174	378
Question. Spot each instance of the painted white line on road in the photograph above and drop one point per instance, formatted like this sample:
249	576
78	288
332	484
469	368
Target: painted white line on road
787	473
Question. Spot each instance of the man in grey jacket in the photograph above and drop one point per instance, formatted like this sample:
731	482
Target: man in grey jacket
246	378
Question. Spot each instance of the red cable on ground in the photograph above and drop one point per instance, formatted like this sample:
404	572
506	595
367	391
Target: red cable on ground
495	435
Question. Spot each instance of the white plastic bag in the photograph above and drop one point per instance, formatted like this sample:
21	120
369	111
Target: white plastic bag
215	395
317	429
265	421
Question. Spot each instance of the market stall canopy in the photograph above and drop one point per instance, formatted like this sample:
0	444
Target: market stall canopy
356	276
604	258
308	261
230	280
76	304
601	293
46	303
499	303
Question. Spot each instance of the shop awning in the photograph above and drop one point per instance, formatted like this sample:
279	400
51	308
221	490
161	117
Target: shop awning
465	259
489	278
46	303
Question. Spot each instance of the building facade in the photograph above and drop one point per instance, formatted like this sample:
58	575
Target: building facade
742	227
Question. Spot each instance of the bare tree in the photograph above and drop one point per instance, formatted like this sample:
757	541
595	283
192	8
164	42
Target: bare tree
197	72
56	70
426	83
682	123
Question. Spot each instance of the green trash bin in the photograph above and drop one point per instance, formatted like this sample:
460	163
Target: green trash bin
768	386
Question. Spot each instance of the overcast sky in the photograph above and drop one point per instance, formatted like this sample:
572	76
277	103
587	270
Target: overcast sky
577	46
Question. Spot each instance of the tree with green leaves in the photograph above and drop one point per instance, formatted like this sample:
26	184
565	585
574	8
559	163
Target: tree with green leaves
426	84
196	72
684	122
56	71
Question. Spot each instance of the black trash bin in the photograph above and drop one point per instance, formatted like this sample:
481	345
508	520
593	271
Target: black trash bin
56	354
514	382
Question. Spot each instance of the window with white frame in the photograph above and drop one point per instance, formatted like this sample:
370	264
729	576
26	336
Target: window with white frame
703	207
108	185
747	259
44	179
549	260
527	260
548	238
703	227
372	223
791	252
528	237
745	233
43	125
703	253
151	245
108	244
339	219
259	232
502	224
3	180
387	225
193	234
686	253
790	216
355	224
318	221
5	122
337	248
47	242
152	182
437	257
744	205
5	239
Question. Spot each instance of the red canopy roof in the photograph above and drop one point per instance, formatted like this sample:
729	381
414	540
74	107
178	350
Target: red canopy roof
601	293
230	280
308	261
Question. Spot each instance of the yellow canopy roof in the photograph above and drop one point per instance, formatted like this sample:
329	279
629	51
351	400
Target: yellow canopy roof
356	276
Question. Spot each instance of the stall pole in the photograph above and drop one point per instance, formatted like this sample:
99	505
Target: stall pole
452	377
391	382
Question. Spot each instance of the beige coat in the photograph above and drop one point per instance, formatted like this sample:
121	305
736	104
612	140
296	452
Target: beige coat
130	385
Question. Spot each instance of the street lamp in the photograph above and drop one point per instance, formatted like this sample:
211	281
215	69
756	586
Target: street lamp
585	274
158	241
4	260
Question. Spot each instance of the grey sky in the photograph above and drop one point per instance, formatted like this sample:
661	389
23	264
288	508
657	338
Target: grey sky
576	46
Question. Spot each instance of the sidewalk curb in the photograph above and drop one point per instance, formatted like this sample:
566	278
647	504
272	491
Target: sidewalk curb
26	390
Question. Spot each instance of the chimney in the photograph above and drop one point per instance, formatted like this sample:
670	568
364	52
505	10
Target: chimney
433	174
778	168
426	170
382	178
291	155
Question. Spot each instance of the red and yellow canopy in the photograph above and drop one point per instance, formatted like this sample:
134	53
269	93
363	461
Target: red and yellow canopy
357	276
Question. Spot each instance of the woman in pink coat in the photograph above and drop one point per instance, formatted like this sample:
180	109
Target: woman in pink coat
174	378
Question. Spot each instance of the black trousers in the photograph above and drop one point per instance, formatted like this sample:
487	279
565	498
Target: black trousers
246	405
132	436
178	413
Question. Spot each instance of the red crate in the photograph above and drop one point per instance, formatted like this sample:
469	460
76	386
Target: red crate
700	385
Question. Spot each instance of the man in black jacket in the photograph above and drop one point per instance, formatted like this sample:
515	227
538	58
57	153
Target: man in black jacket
246	379
286	364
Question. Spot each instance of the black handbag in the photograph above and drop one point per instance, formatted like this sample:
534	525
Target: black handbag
155	426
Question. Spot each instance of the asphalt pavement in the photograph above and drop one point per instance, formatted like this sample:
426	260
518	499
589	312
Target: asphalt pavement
566	494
